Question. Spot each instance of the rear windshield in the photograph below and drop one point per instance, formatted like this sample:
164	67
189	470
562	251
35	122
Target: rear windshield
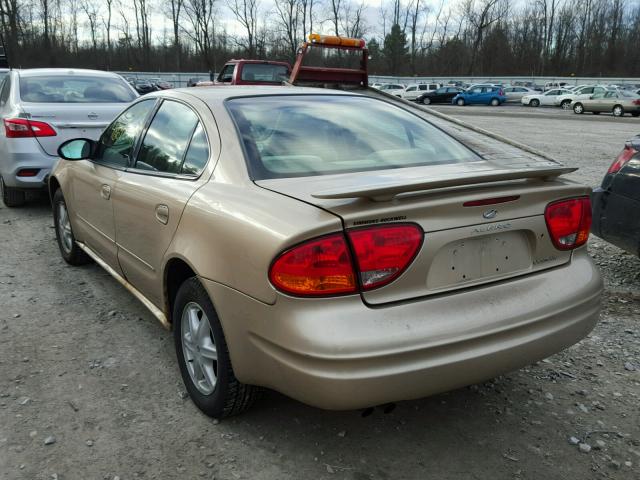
258	72
74	89
305	135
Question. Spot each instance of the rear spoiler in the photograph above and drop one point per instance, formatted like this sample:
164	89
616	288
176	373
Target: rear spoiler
382	192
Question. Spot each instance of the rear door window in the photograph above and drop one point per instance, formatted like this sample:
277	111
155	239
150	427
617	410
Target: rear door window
4	90
166	140
74	89
197	154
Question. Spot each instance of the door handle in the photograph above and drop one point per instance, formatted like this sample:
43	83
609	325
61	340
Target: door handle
105	192
162	214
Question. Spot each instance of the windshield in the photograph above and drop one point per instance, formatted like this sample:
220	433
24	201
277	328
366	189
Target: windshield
74	89
304	135
264	73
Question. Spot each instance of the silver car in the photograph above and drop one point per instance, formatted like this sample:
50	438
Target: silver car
42	108
515	94
617	102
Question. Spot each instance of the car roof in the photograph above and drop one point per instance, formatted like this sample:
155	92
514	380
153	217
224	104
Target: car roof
40	72
218	94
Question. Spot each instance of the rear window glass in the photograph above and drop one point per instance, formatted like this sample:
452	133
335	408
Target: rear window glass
257	72
306	135
74	89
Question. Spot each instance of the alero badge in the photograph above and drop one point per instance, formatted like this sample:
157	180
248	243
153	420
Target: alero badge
490	214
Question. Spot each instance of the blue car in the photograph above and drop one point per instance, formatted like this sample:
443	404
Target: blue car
481	95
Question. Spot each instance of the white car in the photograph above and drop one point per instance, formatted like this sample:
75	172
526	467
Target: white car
565	101
547	98
412	92
555	85
515	93
396	89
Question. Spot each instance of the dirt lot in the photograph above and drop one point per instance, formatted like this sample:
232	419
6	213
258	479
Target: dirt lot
85	368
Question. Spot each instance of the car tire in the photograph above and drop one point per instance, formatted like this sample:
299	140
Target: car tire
426	101
12	197
535	102
69	250
204	362
460	102
566	104
494	102
618	111
578	108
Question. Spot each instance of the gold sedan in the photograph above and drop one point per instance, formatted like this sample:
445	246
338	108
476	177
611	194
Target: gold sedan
329	245
618	103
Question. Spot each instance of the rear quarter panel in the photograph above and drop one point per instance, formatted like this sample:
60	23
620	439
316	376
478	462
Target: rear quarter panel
231	233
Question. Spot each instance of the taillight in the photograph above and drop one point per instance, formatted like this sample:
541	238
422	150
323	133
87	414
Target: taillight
625	155
28	172
636	102
383	253
324	266
501	92
21	128
321	266
568	222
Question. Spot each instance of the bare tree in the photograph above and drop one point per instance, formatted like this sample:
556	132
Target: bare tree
246	13
90	10
201	16
288	18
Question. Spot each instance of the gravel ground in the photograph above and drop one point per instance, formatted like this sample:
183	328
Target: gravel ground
89	386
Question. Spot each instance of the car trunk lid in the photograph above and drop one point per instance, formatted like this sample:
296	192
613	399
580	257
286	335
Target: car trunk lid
481	224
71	120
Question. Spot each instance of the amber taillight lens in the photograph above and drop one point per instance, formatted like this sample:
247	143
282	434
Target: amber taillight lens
324	266
568	222
317	267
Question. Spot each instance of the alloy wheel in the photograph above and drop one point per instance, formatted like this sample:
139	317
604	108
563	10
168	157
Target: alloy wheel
64	227
199	348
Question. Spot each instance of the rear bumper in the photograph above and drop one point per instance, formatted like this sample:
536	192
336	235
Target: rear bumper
340	354
25	156
615	219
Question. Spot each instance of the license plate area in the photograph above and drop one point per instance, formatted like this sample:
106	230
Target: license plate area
482	258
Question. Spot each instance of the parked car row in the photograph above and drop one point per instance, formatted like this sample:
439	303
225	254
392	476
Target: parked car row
590	98
581	98
148	85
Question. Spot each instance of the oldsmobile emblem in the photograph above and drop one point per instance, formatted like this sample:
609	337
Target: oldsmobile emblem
490	214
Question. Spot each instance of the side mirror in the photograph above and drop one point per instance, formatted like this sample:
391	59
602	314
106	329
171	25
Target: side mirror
76	149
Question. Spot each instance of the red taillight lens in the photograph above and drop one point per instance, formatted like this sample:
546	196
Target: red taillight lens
28	172
318	267
324	266
383	253
624	157
569	222
21	128
636	102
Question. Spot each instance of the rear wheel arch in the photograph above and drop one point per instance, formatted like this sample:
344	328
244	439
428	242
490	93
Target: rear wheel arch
176	272
53	186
